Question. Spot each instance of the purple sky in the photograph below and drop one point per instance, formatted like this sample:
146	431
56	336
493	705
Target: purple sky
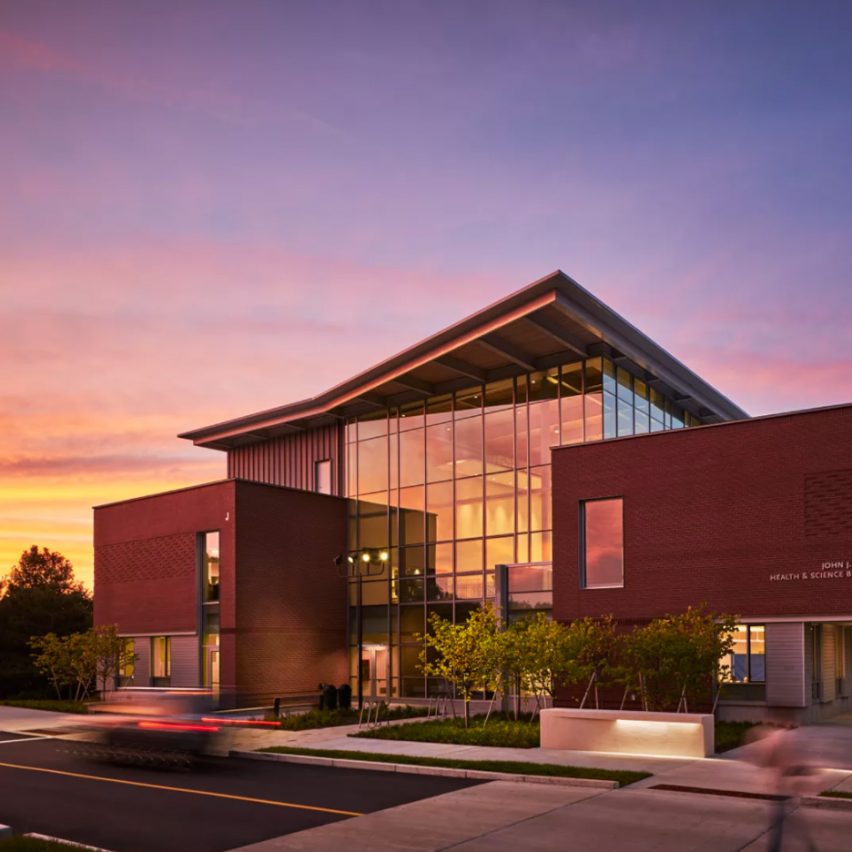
212	208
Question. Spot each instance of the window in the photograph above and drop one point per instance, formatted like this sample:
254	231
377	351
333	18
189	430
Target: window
161	660
127	663
322	476
210	566
747	660
602	543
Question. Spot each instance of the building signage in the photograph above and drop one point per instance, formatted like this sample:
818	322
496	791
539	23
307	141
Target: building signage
832	569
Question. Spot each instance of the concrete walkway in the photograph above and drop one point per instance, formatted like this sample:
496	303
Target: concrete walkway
503	815
829	747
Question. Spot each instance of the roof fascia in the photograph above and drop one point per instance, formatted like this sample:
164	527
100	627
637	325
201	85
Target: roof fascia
387	371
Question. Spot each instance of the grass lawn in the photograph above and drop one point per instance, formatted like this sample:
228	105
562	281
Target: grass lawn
731	735
52	704
333	718
622	776
501	730
33	844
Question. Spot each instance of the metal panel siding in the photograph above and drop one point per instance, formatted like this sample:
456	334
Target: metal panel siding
185	661
785	665
289	460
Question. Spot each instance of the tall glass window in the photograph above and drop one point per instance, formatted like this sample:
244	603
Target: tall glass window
210	544
461	481
161	659
602	543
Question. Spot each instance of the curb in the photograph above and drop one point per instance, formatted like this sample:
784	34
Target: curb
413	769
830	802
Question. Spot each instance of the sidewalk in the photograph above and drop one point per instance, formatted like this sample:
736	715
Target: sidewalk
503	815
732	771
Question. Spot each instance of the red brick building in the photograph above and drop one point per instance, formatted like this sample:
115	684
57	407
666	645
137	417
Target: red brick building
545	434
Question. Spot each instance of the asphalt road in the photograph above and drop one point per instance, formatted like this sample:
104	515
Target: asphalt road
46	788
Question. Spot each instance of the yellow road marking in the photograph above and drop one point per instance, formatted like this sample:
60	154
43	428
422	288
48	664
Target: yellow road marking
166	787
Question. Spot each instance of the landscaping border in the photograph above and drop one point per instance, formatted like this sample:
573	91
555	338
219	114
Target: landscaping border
315	757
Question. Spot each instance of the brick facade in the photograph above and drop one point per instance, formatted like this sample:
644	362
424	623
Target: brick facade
282	604
712	514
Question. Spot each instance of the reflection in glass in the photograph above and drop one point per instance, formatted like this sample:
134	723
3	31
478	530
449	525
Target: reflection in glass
608	375
544	430
469	555
469	586
411	622
625	418
439	452
593	403
439	511
503	431
602	543
540	503
499	441
372	524
439	587
440	558
499	551
572	420
500	503
469	507
411	515
211	566
412	461
540	547
625	385
372	465
469	446
372	425
609	415
531	578
411	416
439	409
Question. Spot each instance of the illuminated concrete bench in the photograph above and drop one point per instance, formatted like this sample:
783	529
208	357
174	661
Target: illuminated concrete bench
628	732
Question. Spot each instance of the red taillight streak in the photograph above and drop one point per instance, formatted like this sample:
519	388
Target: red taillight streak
252	722
174	726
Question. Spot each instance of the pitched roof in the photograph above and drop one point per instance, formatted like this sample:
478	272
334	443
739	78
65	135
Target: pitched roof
551	321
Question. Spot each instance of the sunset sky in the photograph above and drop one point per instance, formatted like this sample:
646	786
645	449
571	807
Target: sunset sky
212	208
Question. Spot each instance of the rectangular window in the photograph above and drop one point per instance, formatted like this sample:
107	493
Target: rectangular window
210	543
127	663
161	659
322	476
602	543
747	660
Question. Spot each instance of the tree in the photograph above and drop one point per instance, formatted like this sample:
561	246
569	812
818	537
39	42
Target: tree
534	654
465	655
112	653
592	646
679	656
80	661
42	569
39	596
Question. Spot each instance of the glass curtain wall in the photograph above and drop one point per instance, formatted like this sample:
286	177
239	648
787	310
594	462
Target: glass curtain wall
455	484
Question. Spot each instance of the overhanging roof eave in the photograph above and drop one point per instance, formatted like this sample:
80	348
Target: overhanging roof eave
555	292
